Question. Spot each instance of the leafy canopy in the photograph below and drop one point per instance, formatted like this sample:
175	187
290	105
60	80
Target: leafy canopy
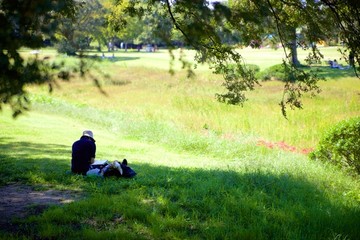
26	24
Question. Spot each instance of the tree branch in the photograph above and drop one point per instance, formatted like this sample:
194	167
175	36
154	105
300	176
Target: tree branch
175	22
277	22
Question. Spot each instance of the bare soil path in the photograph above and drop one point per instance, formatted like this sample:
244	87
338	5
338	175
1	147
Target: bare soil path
19	201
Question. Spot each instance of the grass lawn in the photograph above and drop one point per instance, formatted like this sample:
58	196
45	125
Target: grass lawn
205	170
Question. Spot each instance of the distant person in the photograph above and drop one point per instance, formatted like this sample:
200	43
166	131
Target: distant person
83	153
335	64
330	62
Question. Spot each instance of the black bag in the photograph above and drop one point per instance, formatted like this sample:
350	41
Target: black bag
127	171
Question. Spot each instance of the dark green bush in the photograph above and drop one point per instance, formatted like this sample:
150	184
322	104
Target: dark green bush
253	67
276	72
279	72
66	47
341	145
250	67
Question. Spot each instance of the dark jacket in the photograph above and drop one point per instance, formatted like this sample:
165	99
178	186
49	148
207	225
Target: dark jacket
82	152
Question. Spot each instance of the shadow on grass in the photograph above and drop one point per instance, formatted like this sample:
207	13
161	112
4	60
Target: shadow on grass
333	73
21	160
109	57
179	203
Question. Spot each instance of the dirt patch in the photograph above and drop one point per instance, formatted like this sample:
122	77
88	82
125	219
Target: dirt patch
20	201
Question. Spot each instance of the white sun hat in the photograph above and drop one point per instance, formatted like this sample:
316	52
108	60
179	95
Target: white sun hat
89	133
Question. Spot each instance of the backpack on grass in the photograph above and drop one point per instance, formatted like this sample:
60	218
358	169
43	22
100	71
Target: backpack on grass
127	172
106	169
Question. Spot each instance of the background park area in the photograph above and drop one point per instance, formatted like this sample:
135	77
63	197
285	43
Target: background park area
205	170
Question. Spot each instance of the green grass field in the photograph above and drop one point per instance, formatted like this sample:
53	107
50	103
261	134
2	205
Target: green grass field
205	170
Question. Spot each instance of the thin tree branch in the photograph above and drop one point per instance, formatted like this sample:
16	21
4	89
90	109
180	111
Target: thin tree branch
277	21
175	22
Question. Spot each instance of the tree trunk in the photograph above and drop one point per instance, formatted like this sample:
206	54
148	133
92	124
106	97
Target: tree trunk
293	49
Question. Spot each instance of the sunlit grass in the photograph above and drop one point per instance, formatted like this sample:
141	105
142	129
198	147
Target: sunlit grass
191	104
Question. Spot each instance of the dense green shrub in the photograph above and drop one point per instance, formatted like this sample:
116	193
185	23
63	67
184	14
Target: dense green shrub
71	47
276	72
341	145
279	72
253	67
249	67
66	47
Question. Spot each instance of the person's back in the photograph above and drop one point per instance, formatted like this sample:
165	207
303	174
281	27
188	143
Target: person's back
83	153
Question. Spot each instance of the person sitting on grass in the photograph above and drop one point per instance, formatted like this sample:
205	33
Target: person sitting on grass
335	64
83	153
